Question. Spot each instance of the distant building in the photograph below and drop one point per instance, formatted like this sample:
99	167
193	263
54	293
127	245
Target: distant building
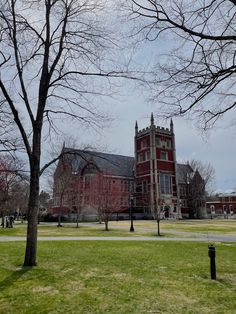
152	178
223	204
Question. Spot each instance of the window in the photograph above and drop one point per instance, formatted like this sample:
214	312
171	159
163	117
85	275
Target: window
140	157
87	180
144	156
131	186
158	141
183	189
143	144
145	186
163	142
212	209
168	143
139	188
165	183
164	155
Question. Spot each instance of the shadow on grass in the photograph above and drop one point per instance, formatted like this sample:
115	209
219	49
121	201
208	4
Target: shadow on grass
11	279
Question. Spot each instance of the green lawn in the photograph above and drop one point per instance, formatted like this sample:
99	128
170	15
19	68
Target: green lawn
83	230
117	277
121	228
222	226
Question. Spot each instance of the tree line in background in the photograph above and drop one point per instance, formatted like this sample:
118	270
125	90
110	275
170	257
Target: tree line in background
14	189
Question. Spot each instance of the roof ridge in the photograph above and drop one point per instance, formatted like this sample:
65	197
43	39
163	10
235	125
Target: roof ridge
96	152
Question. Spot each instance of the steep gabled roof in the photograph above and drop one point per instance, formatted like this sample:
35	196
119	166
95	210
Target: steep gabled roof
116	165
183	172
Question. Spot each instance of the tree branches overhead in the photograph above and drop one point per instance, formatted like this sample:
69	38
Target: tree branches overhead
54	57
198	76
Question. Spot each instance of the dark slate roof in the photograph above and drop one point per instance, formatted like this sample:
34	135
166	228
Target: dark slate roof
116	165
183	170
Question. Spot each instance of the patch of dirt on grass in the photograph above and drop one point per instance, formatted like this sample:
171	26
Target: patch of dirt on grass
229	277
120	276
48	290
92	273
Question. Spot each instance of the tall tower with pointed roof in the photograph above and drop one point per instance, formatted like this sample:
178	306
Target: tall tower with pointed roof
155	170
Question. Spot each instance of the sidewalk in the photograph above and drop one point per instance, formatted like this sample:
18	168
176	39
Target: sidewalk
210	239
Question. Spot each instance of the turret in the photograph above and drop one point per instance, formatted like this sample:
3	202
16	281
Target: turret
171	126
152	120
136	128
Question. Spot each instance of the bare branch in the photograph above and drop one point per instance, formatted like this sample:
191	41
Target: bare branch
200	69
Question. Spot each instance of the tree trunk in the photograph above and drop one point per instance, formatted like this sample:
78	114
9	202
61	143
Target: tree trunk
33	205
158	227
3	220
99	215
77	220
59	221
31	242
106	225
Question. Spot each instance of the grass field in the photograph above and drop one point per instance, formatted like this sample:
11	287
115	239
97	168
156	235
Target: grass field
223	226
117	277
121	228
71	230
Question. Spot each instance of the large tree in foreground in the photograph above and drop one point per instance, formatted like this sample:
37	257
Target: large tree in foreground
52	57
197	72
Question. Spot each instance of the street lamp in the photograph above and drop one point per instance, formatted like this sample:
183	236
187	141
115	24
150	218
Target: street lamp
131	213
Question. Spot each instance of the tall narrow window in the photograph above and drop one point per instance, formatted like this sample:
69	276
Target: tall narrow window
165	183
143	143
145	186
158	141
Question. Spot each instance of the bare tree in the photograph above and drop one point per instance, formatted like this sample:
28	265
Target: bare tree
12	184
77	198
45	202
107	196
198	76
54	55
19	198
196	181
62	184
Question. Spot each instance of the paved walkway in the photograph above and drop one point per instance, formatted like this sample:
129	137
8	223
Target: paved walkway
218	238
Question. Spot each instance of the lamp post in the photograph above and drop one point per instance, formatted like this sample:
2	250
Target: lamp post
131	213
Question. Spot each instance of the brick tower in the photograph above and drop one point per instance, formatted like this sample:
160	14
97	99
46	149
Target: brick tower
155	171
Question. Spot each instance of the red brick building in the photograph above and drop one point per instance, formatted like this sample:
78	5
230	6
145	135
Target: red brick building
156	170
78	182
223	205
153	179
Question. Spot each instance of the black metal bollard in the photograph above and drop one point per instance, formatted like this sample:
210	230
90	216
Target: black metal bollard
212	255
